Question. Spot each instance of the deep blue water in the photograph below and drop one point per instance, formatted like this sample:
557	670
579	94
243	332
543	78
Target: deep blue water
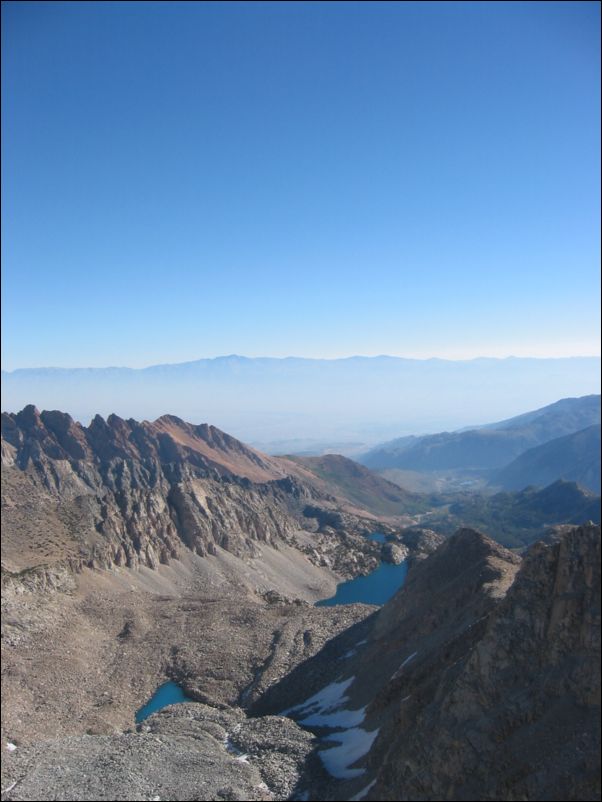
167	694
376	588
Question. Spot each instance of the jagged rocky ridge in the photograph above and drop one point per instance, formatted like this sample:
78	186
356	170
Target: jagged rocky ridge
130	493
145	490
516	714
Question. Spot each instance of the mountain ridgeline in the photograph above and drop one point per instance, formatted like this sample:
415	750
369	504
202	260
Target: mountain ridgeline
361	486
492	449
131	493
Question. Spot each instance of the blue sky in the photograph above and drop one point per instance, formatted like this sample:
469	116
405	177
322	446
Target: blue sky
183	180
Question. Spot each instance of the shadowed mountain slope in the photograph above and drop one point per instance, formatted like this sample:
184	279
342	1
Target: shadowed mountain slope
487	447
480	679
360	486
575	458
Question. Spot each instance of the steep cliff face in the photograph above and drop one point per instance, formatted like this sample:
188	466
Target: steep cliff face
517	716
444	596
128	493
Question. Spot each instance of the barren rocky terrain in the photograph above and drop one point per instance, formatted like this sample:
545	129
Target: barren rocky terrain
136	553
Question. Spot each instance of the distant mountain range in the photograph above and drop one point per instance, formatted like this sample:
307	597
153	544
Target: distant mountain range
495	446
318	405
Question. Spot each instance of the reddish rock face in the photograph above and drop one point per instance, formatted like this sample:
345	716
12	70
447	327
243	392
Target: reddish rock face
168	439
135	493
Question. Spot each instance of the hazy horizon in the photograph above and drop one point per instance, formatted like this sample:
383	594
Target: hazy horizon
314	358
265	401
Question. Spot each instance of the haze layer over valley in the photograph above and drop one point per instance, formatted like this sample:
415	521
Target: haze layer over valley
300	405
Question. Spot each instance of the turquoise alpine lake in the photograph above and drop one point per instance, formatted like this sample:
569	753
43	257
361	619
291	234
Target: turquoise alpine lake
375	588
167	694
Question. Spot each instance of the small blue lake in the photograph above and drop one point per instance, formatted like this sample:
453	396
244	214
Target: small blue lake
167	694
376	588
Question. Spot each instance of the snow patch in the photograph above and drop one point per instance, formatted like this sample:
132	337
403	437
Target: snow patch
325	709
10	747
329	698
353	744
353	651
